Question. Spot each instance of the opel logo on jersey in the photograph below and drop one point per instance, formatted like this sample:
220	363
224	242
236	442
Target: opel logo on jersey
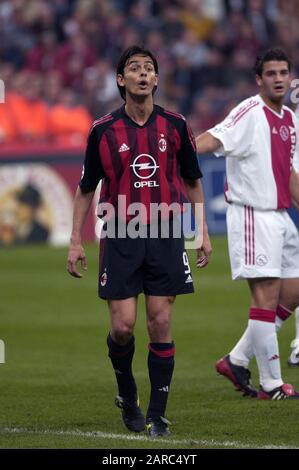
144	167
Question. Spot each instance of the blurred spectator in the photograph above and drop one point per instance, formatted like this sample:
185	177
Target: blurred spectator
194	19
72	58
8	131
188	46
69	122
172	23
43	57
29	111
52	87
99	88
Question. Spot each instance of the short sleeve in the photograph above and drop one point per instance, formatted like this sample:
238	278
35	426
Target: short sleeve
92	171
236	132
187	156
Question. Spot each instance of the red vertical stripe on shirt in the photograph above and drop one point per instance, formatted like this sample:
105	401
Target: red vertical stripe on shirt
153	137
145	191
280	137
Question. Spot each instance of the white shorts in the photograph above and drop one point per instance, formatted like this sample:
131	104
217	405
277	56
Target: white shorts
262	243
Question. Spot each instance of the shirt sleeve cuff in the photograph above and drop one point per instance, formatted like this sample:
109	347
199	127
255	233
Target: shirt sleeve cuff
220	152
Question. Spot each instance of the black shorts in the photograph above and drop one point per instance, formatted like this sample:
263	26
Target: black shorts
154	266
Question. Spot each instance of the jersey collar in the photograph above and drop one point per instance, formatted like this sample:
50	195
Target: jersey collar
130	121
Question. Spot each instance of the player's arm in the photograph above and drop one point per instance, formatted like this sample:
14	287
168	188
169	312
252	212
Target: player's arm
76	253
206	143
92	173
196	197
294	188
191	175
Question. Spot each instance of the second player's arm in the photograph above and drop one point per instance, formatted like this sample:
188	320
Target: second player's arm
195	195
76	253
206	143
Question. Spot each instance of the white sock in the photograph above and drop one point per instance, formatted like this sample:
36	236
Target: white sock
262	331
242	353
278	323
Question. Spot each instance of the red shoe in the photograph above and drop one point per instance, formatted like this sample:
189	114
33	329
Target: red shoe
285	391
238	375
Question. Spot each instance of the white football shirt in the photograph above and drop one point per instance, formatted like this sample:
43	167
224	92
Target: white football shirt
260	145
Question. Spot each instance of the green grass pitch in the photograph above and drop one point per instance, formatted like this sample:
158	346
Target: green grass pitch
57	385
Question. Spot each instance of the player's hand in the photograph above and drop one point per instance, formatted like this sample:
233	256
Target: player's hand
205	251
76	253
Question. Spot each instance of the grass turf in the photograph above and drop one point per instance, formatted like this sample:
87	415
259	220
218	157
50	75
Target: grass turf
57	385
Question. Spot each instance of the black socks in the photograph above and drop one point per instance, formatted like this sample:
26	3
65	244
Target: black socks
121	358
160	367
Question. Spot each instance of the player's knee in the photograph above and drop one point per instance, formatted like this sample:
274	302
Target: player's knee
122	332
158	326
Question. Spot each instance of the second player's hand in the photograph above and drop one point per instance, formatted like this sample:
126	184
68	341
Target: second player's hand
76	253
204	252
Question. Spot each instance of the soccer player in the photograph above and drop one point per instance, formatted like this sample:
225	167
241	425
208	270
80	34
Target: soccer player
259	139
147	154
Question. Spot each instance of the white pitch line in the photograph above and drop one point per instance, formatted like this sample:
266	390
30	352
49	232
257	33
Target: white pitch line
140	438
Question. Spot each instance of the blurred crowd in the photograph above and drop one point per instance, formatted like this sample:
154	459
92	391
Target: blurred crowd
58	58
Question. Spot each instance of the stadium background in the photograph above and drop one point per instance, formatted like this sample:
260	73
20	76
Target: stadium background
57	61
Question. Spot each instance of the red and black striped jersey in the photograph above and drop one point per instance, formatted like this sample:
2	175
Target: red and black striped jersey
144	163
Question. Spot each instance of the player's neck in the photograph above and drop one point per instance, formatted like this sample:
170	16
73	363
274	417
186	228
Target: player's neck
139	112
274	105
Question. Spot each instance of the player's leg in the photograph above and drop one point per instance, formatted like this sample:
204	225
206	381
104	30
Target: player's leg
121	344
120	283
289	299
261	327
242	353
289	291
264	299
167	275
257	243
121	347
160	360
234	366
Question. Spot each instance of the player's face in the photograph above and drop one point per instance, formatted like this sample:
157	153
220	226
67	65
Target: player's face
275	80
139	77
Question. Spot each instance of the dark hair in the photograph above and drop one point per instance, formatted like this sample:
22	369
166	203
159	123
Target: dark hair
133	50
270	54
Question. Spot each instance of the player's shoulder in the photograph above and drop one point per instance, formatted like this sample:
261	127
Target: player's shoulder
176	119
247	107
171	114
106	120
291	113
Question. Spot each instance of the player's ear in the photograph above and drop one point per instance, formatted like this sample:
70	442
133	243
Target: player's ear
156	80
258	80
120	80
